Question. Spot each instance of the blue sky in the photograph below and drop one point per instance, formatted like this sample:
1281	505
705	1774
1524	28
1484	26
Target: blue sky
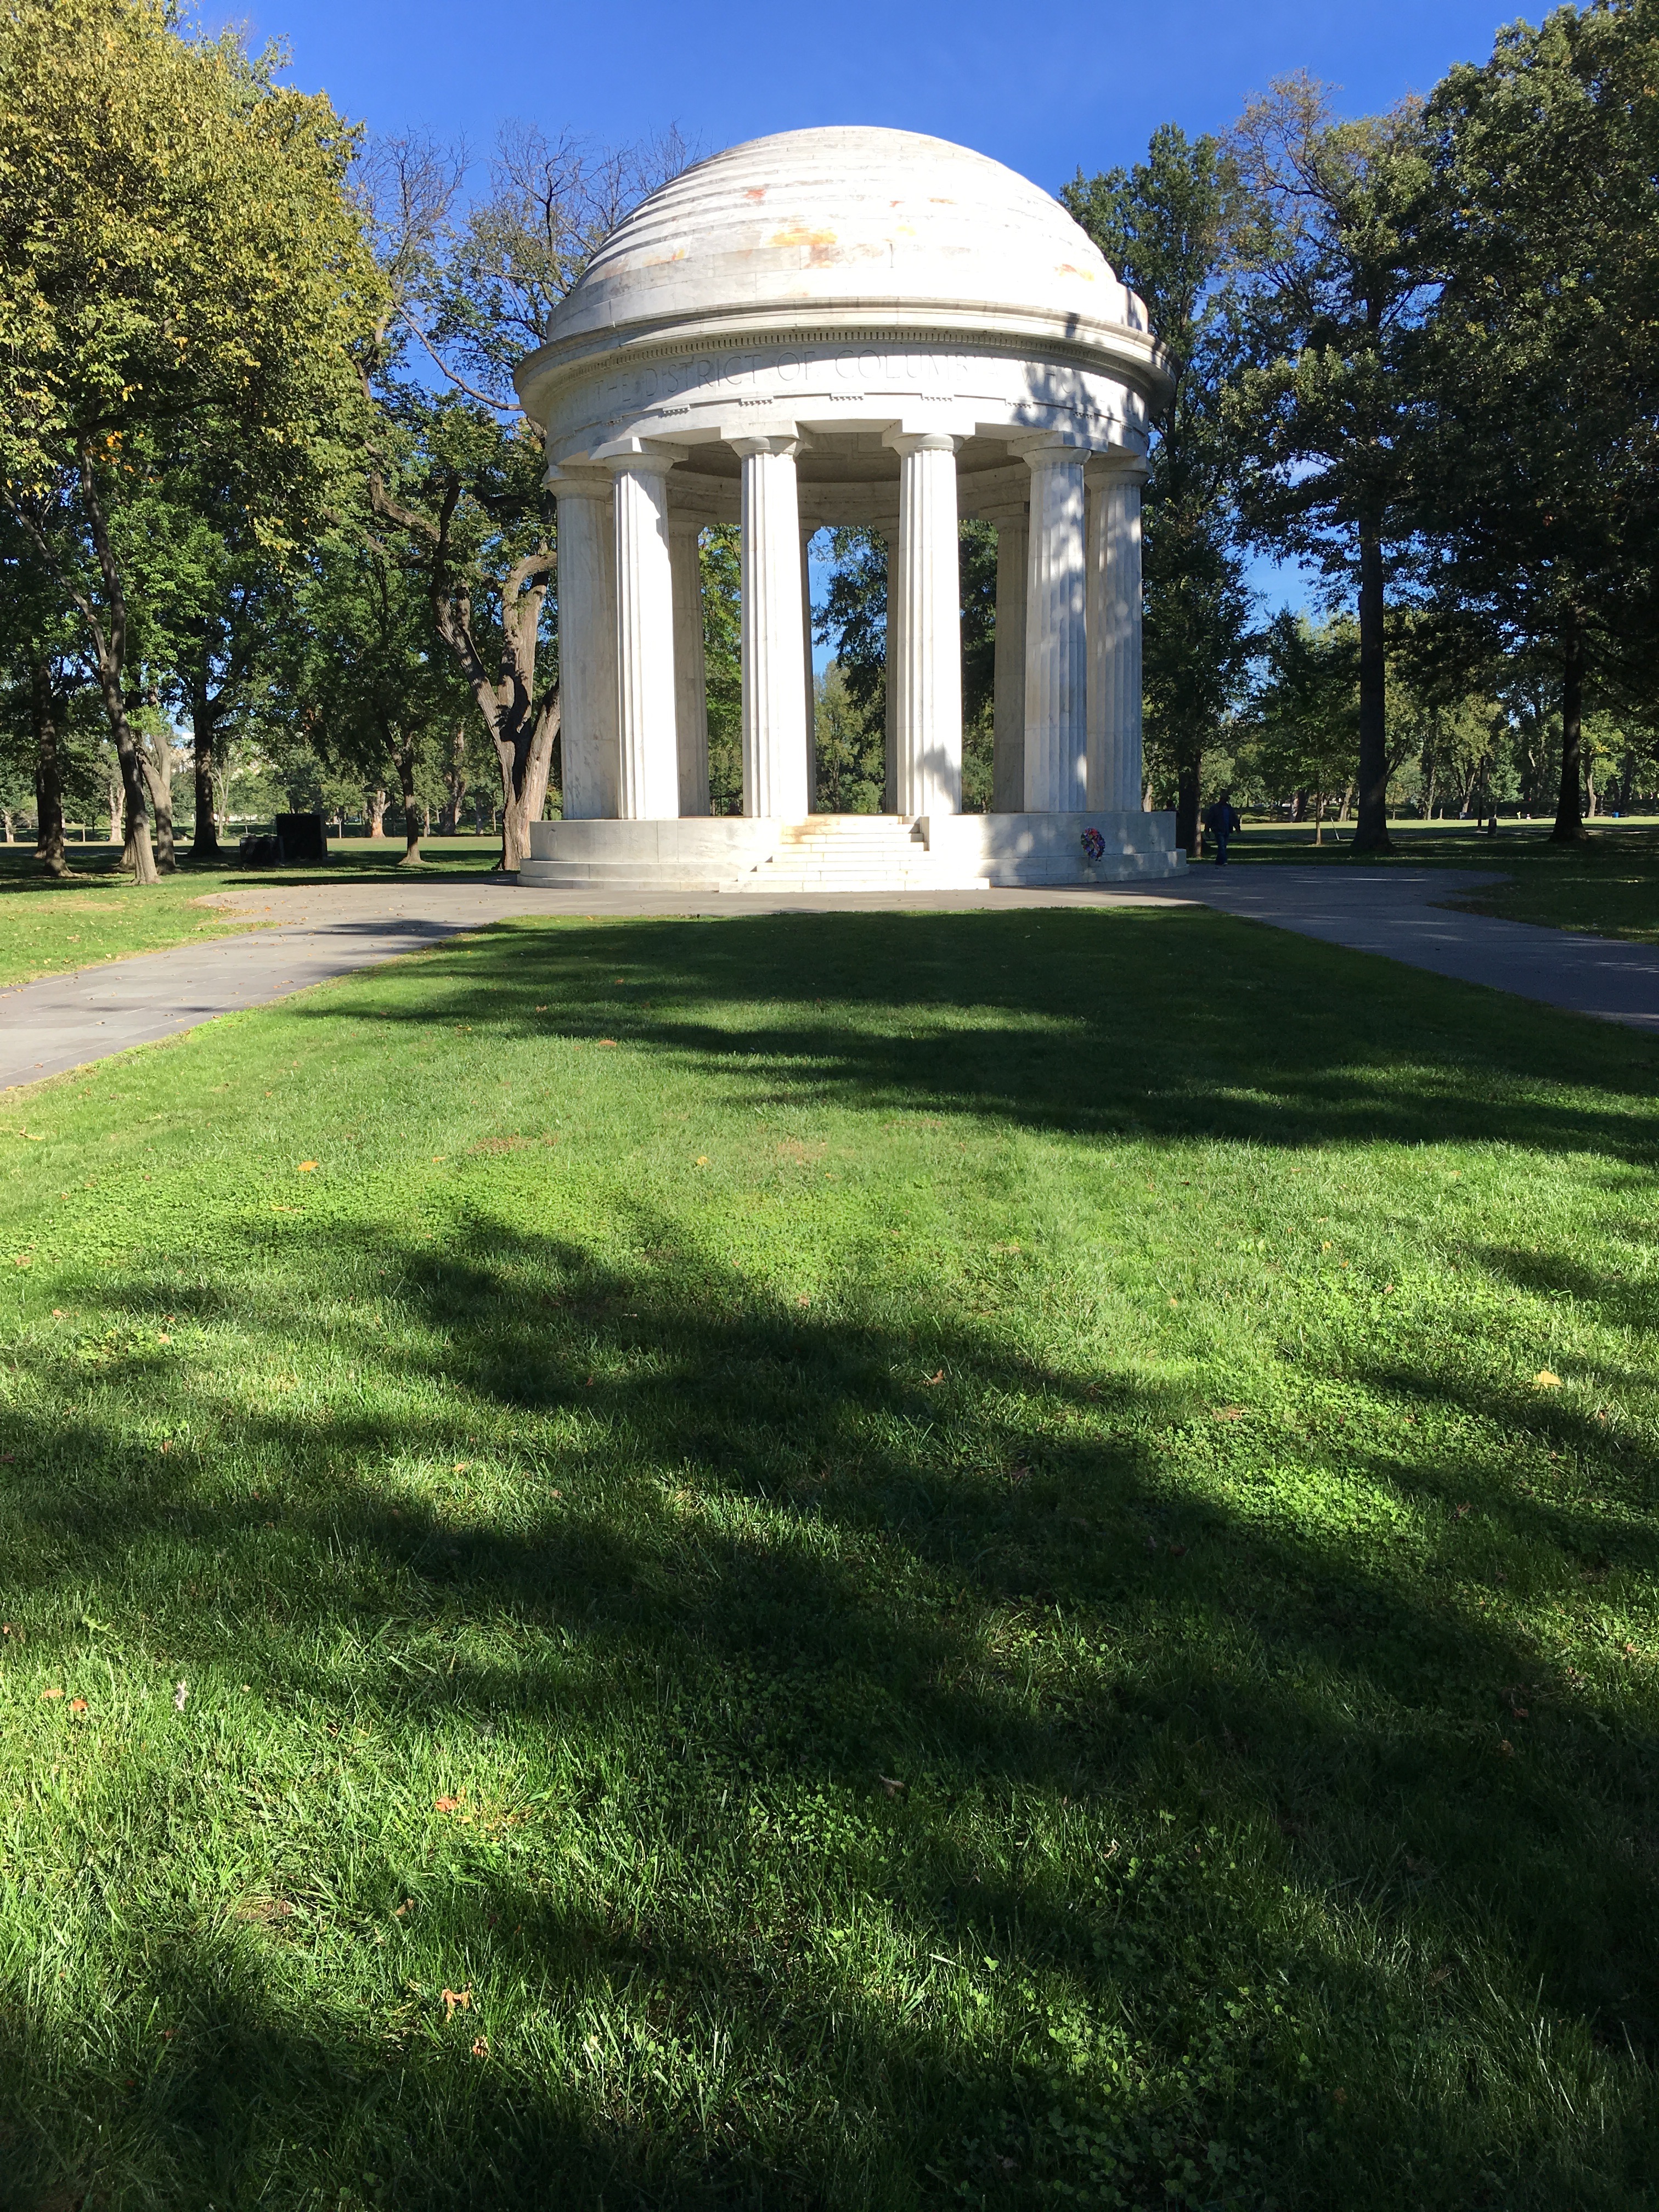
1044	90
1041	88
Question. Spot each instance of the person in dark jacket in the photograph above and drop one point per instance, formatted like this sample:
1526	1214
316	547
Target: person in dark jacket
1222	820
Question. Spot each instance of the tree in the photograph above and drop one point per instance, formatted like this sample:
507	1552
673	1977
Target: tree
178	260
1164	225
1330	291
466	299
375	690
1538	488
1306	712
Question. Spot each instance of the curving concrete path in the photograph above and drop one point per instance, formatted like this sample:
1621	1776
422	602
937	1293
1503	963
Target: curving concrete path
1393	912
313	931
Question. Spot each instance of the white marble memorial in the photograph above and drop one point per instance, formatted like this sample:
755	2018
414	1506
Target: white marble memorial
838	326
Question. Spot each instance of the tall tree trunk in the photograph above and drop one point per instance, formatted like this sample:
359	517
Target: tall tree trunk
525	771
153	762
48	772
1372	833
1319	818
1428	789
449	817
108	635
205	845
110	644
117	809
402	756
1186	804
375	810
1299	806
1569	806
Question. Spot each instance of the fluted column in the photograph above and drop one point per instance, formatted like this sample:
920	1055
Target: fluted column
1114	634
1008	703
587	646
927	723
774	726
1056	650
690	675
648	780
807	532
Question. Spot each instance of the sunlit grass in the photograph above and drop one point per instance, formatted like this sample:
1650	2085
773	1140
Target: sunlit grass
857	1560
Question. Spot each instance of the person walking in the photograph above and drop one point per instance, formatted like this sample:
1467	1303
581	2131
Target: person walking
1222	820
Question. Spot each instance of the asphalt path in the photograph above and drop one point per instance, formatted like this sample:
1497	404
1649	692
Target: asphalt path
314	932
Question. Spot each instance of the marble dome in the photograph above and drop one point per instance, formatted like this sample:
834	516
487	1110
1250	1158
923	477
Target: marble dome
847	217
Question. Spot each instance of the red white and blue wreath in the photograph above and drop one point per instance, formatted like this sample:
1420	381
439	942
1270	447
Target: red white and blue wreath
1093	844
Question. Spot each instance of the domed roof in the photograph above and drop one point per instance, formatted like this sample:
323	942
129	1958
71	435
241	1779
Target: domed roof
846	216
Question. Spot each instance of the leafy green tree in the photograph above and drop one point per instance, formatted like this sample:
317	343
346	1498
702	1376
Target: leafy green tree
375	691
851	762
1537	483
178	255
1305	720
1330	293
468	294
721	558
1164	225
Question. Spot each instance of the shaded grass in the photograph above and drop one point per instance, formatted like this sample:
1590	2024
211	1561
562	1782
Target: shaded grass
50	928
921	1558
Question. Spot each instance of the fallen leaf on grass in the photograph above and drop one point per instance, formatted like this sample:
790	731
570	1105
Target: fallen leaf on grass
77	1704
608	1040
933	1379
481	2046
1506	1748
306	1166
454	1997
45	1694
894	1789
701	1160
803	1299
448	1804
1545	1380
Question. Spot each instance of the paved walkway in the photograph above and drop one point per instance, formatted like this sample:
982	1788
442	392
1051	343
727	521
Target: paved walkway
1392	911
315	932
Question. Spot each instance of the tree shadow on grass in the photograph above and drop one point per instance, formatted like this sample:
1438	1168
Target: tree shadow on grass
1101	1024
977	1667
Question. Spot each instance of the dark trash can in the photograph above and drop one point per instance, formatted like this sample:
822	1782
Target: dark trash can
304	838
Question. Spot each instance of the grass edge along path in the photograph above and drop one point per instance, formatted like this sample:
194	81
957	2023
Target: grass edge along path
861	1560
53	928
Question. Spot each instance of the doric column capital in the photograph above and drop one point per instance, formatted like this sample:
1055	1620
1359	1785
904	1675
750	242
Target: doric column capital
920	441
788	445
686	522
1116	467
577	483
639	457
1044	452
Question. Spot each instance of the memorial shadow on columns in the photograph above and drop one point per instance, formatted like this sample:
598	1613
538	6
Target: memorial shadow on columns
972	1805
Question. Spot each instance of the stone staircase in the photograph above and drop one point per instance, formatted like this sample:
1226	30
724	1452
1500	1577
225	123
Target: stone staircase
851	852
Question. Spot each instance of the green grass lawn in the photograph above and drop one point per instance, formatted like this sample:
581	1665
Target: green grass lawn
49	928
842	1561
1609	885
